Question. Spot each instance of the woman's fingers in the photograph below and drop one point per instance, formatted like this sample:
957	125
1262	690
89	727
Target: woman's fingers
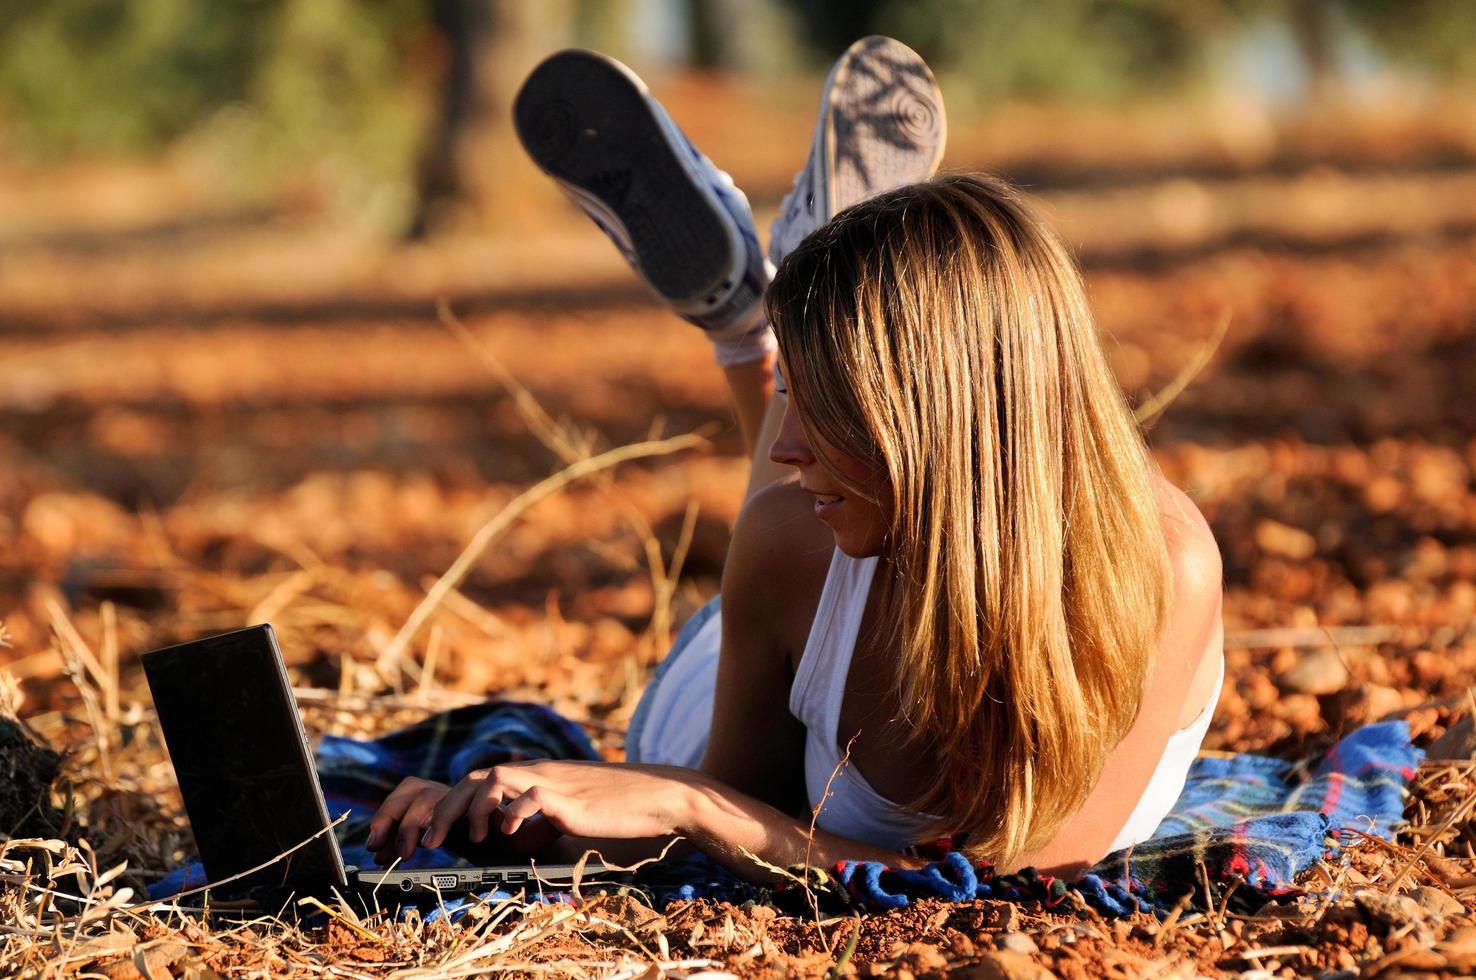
537	800
412	825
502	783
392	811
476	797
420	812
479	810
453	806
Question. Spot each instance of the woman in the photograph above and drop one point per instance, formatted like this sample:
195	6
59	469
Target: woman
991	618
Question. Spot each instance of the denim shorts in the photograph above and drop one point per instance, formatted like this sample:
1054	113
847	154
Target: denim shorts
683	642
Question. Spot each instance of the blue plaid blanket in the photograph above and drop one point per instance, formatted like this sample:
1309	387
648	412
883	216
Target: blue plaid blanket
1242	819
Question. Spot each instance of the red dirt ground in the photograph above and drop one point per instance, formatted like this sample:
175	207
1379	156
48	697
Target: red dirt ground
257	415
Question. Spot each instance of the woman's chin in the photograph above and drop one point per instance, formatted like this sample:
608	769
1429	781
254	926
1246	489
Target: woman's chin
854	545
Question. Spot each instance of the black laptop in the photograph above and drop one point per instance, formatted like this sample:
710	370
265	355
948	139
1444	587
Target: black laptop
250	789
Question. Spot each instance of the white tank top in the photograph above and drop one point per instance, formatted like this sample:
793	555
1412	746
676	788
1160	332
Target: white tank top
853	808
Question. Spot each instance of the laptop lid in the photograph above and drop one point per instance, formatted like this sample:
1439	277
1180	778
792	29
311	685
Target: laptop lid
243	762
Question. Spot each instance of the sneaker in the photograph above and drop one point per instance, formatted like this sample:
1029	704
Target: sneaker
592	125
881	126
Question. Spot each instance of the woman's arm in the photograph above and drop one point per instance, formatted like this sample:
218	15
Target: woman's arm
637	808
749	797
772	578
734	829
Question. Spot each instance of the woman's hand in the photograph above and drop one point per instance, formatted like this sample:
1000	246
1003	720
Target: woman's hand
401	819
582	799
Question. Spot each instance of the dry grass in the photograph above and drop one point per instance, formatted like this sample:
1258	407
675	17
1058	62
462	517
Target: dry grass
72	905
1324	411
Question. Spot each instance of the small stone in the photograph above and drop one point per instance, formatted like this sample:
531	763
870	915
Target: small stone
1459	948
1319	670
157	958
1004	965
1380	701
923	957
1387	911
1458	742
1017	942
1001	917
613	913
1436	902
1285	541
961	946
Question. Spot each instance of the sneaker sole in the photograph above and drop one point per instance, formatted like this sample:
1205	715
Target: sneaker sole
587	121
882	121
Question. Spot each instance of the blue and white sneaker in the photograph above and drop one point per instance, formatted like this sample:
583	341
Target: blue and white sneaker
591	124
881	126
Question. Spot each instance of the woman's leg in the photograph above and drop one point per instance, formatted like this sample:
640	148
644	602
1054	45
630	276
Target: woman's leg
752	386
856	152
592	125
762	470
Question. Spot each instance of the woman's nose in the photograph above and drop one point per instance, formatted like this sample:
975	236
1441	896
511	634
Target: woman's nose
791	448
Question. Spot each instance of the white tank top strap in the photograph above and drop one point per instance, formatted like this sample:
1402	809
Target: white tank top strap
819	680
1171	773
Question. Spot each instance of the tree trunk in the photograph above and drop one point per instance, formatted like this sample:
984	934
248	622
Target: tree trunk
491	45
1312	25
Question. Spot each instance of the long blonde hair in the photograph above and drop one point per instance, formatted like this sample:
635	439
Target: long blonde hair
941	334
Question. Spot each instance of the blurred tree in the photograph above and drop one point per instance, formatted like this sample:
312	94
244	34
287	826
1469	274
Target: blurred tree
708	41
275	83
1436	36
1313	26
828	28
491	45
1061	48
118	76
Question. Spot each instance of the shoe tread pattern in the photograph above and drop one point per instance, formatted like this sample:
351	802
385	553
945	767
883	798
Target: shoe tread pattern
583	121
886	116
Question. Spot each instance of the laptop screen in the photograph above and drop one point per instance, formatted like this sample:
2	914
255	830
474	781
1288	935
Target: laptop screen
242	760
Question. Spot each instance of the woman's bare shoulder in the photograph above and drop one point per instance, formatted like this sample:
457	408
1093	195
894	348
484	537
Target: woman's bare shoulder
778	559
1189	653
1194	555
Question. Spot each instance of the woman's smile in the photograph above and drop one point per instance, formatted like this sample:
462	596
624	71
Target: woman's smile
826	504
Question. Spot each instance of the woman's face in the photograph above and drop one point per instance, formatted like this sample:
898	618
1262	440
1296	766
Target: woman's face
859	525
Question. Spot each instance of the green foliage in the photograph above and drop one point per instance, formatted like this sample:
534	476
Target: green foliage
327	88
1076	48
1436	35
265	84
1113	48
1070	48
118	75
289	80
272	83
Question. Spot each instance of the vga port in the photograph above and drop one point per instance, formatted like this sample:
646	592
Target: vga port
445	881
